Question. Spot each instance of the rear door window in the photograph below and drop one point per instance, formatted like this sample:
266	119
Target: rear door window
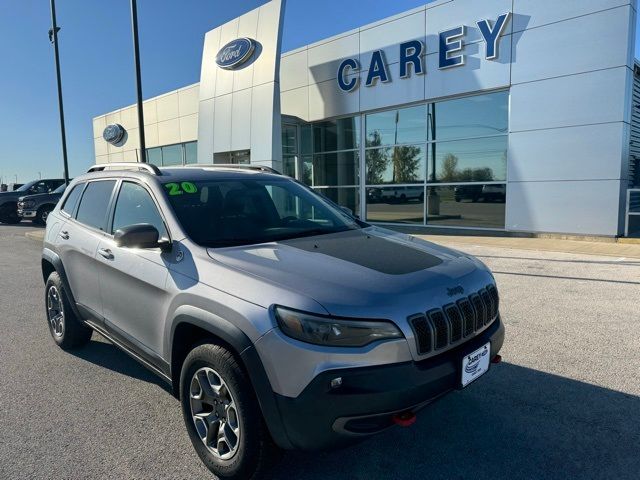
72	200
95	203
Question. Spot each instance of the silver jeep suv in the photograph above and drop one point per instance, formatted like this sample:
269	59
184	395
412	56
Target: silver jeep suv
279	319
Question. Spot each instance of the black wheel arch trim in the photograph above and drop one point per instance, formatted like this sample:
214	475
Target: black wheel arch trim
246	352
54	259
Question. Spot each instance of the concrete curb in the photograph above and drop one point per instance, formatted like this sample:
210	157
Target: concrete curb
612	249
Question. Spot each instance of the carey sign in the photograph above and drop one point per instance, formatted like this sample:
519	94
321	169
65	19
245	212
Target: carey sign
411	55
235	53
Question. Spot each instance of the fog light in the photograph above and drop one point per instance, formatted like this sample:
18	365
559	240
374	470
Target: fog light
336	382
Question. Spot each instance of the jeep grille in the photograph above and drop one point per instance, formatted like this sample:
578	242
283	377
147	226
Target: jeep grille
446	326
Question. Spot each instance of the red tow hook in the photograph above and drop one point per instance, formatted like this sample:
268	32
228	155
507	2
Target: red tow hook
497	359
404	419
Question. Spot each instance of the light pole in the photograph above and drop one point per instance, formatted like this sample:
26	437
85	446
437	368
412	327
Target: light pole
136	59
53	38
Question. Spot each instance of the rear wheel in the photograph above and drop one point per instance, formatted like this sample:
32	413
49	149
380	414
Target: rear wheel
66	329
222	415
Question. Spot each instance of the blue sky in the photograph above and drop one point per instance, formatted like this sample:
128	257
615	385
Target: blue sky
97	63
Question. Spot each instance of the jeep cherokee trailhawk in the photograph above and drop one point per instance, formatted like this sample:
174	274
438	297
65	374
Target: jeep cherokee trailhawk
279	319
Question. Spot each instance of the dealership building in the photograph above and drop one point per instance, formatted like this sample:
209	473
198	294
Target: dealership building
511	115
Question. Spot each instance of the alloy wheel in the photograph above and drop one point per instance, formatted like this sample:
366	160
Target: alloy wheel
55	311
214	413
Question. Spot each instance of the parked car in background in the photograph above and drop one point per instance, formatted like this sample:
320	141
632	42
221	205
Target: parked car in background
395	194
9	200
476	193
37	207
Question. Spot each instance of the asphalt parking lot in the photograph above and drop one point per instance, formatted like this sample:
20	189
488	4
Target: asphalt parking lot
564	404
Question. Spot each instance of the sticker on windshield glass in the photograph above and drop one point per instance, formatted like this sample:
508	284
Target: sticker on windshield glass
181	188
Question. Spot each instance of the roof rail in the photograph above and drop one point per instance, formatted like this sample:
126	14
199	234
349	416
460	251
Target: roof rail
148	167
259	168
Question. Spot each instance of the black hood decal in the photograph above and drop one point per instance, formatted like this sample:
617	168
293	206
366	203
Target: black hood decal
369	251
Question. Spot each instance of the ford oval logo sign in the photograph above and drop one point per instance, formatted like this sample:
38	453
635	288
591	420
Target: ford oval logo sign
113	134
235	53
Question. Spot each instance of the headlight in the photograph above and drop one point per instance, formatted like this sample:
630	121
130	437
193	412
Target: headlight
28	204
333	332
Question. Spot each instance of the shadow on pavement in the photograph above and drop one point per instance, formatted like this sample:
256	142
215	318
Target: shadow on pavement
517	423
23	225
109	356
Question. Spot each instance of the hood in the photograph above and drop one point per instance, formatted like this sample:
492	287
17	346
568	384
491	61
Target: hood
6	195
372	273
42	196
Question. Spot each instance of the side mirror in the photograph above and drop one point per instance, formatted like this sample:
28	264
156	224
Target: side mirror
141	235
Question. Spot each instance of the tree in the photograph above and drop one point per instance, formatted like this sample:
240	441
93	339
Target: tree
406	163
377	160
450	168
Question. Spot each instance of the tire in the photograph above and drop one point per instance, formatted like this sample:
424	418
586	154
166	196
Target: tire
253	452
43	213
66	329
9	214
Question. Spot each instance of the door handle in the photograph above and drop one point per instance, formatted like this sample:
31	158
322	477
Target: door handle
106	253
64	235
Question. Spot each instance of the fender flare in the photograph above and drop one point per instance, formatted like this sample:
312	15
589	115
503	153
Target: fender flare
54	259
244	349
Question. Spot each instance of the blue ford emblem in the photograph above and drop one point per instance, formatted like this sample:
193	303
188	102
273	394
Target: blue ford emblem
113	134
235	53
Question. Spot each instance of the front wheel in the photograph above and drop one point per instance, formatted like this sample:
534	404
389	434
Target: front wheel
42	215
222	415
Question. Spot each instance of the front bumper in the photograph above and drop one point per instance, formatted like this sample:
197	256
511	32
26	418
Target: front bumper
26	213
322	417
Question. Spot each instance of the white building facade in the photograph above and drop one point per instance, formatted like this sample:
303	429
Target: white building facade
501	114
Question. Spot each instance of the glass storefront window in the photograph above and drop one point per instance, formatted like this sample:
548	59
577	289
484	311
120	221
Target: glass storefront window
479	206
307	170
408	153
335	135
306	139
289	139
403	164
289	166
191	153
154	156
239	157
408	125
395	204
336	169
172	155
477	116
477	160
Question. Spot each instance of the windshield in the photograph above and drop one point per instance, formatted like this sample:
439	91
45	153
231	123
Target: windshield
60	189
26	187
224	213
